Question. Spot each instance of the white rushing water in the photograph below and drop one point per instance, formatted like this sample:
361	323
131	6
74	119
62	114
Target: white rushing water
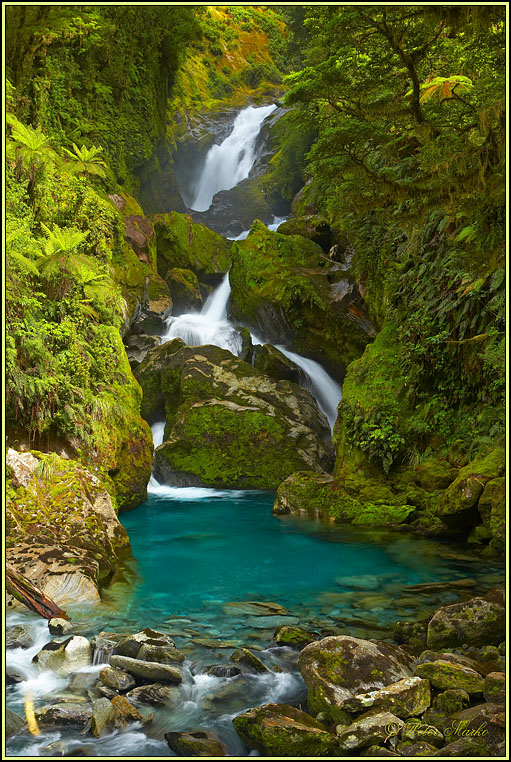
210	326
272	226
230	162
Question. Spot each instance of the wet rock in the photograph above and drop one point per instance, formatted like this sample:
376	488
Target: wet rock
444	674
126	711
371	728
452	700
18	636
339	667
222	670
131	645
195	743
12	677
478	666
161	654
155	694
495	687
475	622
417	730
108	693
272	362
184	289
59	626
116	679
76	714
137	347
294	636
13	723
82	682
280	730
311	226
146	669
249	660
460	499
406	698
64	658
104	715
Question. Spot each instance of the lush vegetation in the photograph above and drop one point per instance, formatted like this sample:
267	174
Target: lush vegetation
408	160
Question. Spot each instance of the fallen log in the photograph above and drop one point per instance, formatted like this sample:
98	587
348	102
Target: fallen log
24	591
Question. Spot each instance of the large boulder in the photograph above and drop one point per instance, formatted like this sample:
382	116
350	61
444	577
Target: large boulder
475	622
63	533
187	245
444	675
406	698
371	728
340	667
287	289
280	730
228	424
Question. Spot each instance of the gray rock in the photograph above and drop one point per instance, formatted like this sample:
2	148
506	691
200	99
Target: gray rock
82	682
59	626
406	698
12	677
131	645
339	667
104	715
116	679
195	743
13	723
65	658
373	727
161	654
18	636
475	622
147	669
78	714
155	694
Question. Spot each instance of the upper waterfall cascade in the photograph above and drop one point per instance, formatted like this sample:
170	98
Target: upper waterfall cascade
230	162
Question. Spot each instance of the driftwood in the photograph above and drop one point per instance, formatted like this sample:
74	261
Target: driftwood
25	592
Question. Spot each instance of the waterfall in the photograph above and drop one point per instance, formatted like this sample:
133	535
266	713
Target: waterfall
158	429
210	326
328	393
272	226
230	162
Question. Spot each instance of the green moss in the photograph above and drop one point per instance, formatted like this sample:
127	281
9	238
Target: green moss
183	244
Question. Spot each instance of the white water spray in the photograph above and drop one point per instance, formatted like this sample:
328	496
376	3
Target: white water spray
230	162
210	326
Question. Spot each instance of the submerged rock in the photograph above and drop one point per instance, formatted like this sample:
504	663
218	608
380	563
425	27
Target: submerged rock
228	425
222	670
13	723
195	743
280	730
339	667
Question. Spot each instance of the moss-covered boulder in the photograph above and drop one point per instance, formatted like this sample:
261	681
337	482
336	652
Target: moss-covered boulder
319	495
371	728
228	424
280	730
183	244
285	288
249	660
289	635
195	743
492	508
482	722
475	622
446	674
339	667
184	288
452	700
495	687
62	531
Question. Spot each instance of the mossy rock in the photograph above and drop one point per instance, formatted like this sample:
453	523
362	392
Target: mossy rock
281	288
463	494
270	361
475	622
280	730
184	288
227	423
313	226
445	674
183	244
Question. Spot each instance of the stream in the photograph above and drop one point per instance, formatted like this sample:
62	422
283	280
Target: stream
197	551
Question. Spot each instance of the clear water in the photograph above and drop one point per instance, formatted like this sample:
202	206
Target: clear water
199	549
